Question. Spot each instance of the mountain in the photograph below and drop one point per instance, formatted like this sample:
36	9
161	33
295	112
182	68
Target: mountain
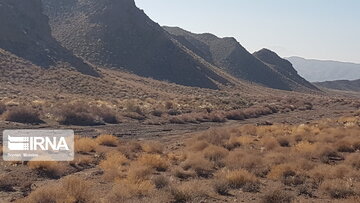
283	67
229	55
320	70
25	32
117	34
346	85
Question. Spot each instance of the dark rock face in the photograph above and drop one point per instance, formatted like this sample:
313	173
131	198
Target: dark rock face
25	32
229	55
117	34
283	67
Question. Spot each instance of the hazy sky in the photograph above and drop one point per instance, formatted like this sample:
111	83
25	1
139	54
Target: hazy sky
319	29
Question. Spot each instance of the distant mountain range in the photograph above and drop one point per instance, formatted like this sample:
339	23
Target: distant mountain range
321	70
346	85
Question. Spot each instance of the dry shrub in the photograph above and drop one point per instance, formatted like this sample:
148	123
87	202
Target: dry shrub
216	137
244	160
245	139
197	146
77	189
337	188
180	173
107	140
232	143
353	160
235	115
78	114
135	116
326	154
49	168
138	172
345	146
153	147
46	194
125	190
85	145
319	173
160	182
284	141
269	143
306	149
112	164
241	179
2	108
82	161
191	191
154	161
281	171
6	184
278	196
130	148
132	107
201	166
71	189
157	113
23	115
215	154
106	114
221	186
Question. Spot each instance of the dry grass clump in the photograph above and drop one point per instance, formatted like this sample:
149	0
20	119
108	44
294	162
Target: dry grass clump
215	154
240	179
338	188
138	172
113	164
160	181
201	166
125	190
353	160
278	196
71	189
23	115
153	147
85	145
154	161
245	160
270	143
107	140
83	114
51	169
106	114
6	184
78	114
191	191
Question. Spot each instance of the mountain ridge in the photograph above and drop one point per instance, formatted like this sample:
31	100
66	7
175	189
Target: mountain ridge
229	55
117	34
25	32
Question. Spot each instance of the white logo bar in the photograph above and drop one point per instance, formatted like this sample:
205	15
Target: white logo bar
42	145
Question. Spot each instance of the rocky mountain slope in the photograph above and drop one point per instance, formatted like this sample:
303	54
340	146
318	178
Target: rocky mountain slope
283	67
229	55
346	85
25	32
319	70
117	34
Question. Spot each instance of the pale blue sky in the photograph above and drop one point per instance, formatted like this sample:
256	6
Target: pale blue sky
319	29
